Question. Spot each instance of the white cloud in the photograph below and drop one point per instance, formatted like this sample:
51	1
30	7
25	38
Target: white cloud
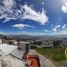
25	12
3	33
64	6
42	3
56	27
64	26
31	14
62	31
12	33
57	30
21	26
8	4
6	10
47	31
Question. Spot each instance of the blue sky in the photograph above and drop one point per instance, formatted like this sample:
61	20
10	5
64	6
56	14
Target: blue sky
34	17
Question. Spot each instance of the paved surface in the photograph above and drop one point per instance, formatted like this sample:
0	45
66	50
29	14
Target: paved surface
44	61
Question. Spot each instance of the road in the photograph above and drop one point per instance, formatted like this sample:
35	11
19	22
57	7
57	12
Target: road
43	60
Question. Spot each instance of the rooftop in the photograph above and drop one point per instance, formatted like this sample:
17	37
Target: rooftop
6	57
12	57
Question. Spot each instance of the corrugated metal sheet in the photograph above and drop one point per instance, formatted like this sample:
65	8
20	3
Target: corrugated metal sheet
7	49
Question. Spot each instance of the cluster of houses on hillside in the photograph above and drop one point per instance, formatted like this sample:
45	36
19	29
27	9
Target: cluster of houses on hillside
49	43
34	42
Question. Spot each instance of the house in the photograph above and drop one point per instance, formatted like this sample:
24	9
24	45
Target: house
11	56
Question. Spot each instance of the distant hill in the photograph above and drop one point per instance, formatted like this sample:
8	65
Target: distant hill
24	36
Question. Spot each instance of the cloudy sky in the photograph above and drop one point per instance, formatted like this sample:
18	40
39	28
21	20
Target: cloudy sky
34	17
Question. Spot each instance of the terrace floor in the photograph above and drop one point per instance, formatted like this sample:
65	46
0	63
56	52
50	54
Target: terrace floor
43	60
35	62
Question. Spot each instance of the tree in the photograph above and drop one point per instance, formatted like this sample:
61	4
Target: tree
56	43
37	43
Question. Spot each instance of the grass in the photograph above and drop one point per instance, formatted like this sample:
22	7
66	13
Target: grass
56	54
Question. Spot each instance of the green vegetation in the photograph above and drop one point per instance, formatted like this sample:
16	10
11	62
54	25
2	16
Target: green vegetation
56	54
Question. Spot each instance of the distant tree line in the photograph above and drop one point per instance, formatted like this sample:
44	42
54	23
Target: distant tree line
56	43
37	43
